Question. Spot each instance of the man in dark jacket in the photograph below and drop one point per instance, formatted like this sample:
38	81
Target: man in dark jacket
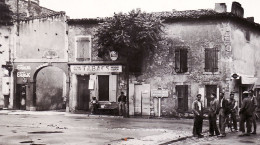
122	102
233	110
197	109
254	108
223	112
246	114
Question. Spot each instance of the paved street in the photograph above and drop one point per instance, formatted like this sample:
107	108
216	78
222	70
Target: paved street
59	128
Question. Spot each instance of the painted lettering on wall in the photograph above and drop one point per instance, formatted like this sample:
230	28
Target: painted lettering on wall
96	68
23	67
23	75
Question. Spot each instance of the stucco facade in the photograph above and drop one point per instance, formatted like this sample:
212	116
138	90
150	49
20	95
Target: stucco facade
92	76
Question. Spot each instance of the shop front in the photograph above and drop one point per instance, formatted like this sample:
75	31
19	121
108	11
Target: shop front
103	81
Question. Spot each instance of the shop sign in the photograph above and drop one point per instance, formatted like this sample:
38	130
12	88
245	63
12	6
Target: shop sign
113	55
96	68
159	93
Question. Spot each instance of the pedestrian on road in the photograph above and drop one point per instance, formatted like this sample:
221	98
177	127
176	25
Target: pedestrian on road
94	105
197	109
213	111
233	110
254	107
223	114
246	114
122	104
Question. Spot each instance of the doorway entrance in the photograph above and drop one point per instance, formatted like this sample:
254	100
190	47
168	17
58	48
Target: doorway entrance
21	96
103	85
83	93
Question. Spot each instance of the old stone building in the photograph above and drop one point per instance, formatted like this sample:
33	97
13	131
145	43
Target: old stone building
202	51
38	55
90	75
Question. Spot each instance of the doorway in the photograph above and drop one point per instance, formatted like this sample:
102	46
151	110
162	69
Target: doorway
83	93
21	96
103	85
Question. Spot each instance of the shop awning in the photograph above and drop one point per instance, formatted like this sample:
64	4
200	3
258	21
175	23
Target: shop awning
248	79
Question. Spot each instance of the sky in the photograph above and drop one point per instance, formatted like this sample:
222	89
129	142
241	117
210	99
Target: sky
106	8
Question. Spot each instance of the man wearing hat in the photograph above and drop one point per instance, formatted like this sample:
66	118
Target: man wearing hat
254	106
246	114
233	110
223	112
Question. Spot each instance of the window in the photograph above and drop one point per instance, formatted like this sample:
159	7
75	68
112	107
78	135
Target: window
83	48
182	94
181	60
211	59
103	85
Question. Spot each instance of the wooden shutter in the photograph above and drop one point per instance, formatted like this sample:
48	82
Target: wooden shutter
182	94
83	49
211	59
177	60
112	88
184	67
207	60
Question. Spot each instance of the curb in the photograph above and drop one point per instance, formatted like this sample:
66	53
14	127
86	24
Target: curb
180	139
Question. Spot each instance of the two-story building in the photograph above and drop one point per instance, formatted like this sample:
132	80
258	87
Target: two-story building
90	75
38	54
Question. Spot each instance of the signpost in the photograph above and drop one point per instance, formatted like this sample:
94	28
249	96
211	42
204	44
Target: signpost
159	93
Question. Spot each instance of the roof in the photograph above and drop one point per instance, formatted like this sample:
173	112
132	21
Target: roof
174	16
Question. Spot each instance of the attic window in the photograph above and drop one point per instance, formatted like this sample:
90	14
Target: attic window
247	35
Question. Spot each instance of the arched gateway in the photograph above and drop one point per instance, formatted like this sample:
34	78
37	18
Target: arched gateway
43	86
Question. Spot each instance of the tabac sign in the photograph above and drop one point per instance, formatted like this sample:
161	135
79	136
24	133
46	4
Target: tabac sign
96	68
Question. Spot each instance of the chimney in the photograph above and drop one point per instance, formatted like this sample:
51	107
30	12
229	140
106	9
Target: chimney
237	9
251	19
220	7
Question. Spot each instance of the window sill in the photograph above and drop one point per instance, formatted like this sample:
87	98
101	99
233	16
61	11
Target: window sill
211	73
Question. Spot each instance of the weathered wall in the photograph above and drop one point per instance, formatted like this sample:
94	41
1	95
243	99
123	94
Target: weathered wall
49	89
38	36
27	9
6	44
82	30
196	35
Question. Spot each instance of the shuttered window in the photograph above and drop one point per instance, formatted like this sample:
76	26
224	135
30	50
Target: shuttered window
181	60
211	59
83	47
182	94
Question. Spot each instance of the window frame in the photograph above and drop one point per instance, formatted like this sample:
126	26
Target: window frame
213	66
185	106
183	66
77	38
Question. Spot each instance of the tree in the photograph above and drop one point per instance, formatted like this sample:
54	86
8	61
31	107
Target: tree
5	14
131	35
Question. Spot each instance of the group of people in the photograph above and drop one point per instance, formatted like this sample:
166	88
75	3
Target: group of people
121	102
226	110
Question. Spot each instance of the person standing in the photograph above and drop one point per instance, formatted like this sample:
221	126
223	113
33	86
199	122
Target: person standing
254	107
233	110
122	103
94	105
223	112
213	115
246	114
197	109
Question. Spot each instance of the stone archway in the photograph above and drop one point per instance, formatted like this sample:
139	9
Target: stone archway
48	90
